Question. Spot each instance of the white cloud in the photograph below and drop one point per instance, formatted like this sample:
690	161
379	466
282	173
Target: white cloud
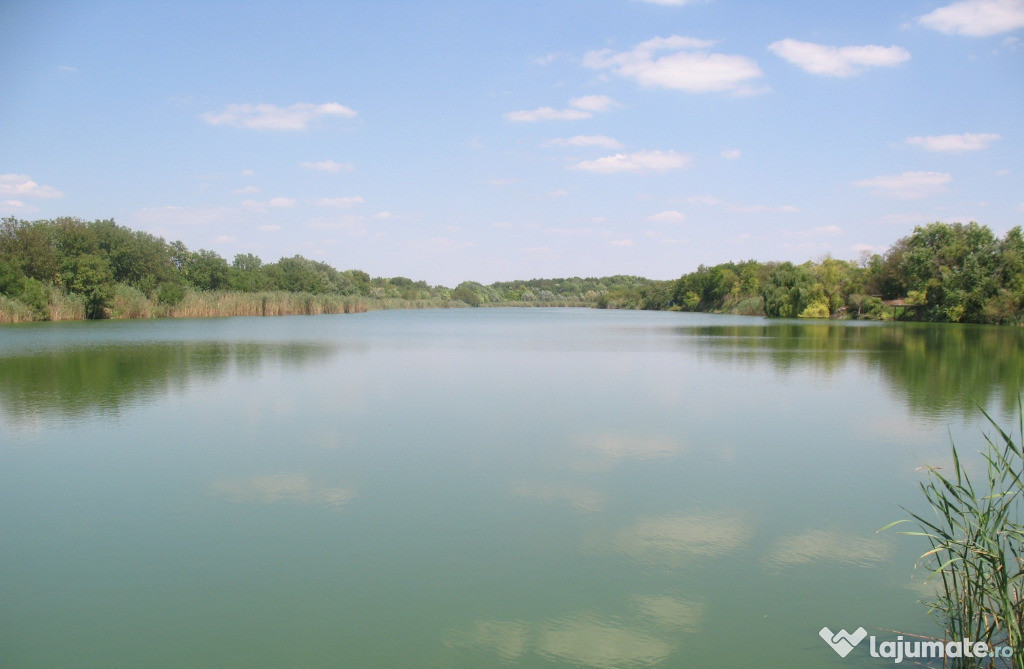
909	185
246	190
561	192
269	228
579	108
688	66
710	200
547	59
641	161
224	239
328	166
337	202
383	215
19	185
670	216
248	173
593	103
276	203
976	18
954	143
67	68
730	154
621	242
826	230
271	117
547	114
763	209
585	141
836	61
17	206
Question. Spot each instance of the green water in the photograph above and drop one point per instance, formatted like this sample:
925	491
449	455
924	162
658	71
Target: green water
473	488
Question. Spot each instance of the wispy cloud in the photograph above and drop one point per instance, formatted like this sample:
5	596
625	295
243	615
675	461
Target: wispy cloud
763	208
272	203
600	141
954	143
337	202
547	114
670	216
640	161
579	108
976	18
731	154
837	61
20	185
679	63
271	117
328	166
593	103
908	185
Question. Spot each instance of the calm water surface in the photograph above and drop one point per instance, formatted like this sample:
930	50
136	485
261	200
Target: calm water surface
473	488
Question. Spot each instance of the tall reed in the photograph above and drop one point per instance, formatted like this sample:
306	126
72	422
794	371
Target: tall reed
977	547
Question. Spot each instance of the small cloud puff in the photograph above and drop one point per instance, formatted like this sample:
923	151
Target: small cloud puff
640	161
679	63
836	61
954	143
976	18
271	117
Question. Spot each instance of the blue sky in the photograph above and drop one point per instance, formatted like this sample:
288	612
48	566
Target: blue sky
487	141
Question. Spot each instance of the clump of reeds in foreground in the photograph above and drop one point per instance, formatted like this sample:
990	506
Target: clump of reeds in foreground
977	547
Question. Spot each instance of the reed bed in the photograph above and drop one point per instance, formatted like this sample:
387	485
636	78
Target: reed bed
977	547
210	304
130	302
12	311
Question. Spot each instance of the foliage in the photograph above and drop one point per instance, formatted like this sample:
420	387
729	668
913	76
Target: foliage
90	276
977	546
947	271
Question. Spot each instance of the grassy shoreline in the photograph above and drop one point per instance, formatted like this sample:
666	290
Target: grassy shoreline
132	304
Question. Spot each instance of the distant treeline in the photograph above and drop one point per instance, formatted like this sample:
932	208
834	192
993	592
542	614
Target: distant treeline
67	268
943	272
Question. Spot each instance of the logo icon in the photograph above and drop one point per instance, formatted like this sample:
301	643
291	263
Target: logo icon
842	642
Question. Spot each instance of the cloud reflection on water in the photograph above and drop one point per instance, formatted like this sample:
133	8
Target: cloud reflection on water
578	497
601	452
829	546
282	489
587	639
672	539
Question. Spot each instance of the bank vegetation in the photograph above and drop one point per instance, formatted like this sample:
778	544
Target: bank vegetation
67	268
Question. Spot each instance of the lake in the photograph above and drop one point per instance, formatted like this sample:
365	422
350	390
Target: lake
474	487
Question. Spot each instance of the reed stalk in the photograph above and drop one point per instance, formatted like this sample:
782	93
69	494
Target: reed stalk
977	547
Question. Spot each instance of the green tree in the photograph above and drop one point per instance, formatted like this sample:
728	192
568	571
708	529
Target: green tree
90	276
